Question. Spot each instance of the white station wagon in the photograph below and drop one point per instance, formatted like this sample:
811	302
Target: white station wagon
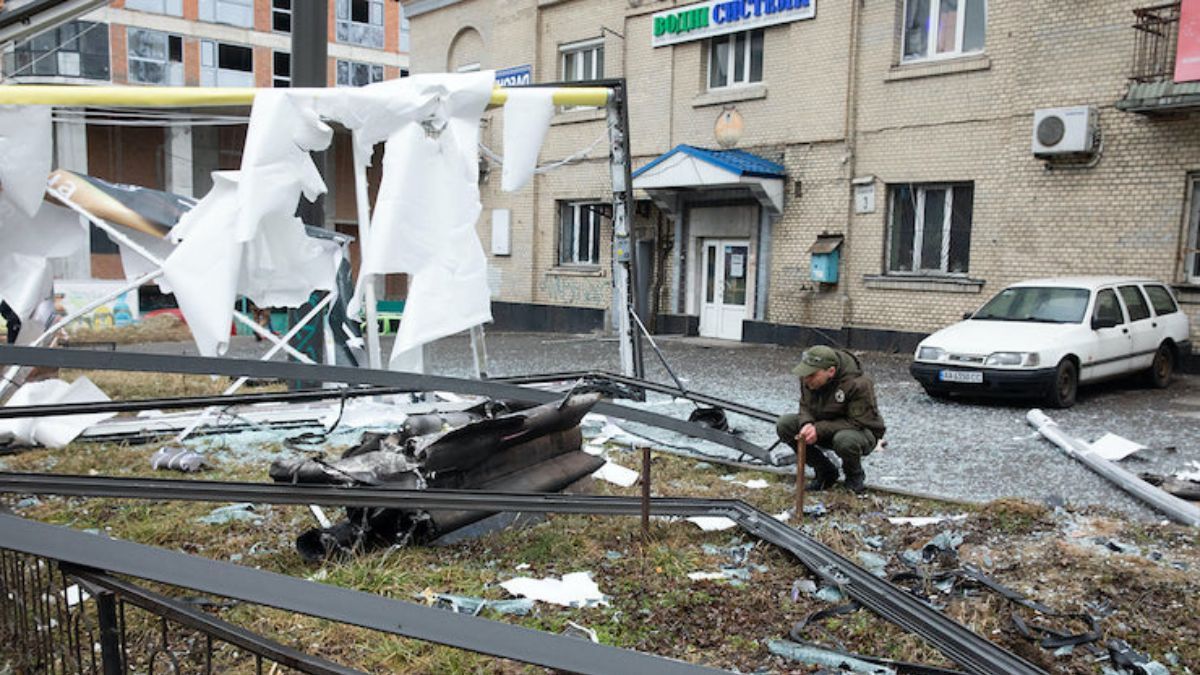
1042	338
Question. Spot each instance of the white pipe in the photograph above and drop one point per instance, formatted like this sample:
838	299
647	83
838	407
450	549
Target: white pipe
366	282
202	418
1174	507
10	374
479	351
120	237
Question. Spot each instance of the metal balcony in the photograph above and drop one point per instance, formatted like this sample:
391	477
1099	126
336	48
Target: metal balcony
1152	88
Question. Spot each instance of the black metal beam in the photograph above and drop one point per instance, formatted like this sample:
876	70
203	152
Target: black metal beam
955	641
164	363
329	602
184	615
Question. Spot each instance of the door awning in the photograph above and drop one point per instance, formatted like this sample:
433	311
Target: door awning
686	167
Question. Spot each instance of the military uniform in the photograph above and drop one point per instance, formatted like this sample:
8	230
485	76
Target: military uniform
844	413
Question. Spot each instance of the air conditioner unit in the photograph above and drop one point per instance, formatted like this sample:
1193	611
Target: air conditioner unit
1064	131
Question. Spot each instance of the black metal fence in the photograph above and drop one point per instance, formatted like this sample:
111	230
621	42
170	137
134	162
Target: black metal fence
56	618
1155	43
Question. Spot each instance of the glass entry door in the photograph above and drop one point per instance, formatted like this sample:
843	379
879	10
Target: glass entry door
723	295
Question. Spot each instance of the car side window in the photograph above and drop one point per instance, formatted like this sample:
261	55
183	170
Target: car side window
1161	300
1135	303
1107	307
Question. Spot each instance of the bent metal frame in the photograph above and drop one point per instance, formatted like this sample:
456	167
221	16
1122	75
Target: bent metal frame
972	652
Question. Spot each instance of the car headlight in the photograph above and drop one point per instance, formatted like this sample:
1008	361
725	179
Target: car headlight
930	354
1012	359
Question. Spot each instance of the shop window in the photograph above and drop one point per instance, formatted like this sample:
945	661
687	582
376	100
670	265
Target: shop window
583	61
360	22
735	59
226	65
74	49
579	233
355	74
232	12
170	7
281	16
155	58
281	69
930	229
943	28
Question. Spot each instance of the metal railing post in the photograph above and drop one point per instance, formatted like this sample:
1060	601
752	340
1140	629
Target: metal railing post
110	634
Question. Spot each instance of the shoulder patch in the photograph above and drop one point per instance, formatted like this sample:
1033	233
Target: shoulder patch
839	396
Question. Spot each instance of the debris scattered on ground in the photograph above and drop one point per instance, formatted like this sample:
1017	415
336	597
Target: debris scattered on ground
712	523
823	657
921	521
616	474
232	513
56	431
177	459
1115	448
572	590
582	632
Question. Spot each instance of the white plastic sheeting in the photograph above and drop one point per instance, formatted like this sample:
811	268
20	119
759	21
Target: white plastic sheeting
53	432
30	232
573	590
527	116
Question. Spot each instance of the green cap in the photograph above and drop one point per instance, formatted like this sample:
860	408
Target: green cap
814	359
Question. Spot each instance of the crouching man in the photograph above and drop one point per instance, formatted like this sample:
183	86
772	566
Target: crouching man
837	412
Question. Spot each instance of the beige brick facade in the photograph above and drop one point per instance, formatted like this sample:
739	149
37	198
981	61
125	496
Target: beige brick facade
835	104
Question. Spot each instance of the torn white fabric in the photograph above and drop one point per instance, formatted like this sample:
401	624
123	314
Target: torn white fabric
616	474
1115	448
53	432
573	590
919	521
424	219
527	114
25	156
279	266
25	244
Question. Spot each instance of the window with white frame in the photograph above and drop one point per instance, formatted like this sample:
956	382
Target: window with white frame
226	65
360	22
1193	235
930	228
281	16
154	57
943	28
281	69
404	30
583	61
356	74
735	59
232	12
579	233
170	7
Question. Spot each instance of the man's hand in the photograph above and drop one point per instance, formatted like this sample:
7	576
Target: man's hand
808	434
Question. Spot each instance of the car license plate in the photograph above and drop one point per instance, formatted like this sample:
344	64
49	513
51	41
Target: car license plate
972	376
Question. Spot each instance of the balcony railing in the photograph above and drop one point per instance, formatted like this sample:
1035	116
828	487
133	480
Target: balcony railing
1157	38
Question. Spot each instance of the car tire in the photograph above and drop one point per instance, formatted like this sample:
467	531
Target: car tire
939	394
1162	367
1065	386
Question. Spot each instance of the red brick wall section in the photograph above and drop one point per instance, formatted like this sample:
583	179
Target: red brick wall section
191	62
262	65
262	17
391	28
107	266
120	54
191	10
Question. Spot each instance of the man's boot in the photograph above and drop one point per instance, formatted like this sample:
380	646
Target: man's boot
826	472
855	476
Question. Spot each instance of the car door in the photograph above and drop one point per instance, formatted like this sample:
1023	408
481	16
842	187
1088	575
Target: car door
1143	329
1110	344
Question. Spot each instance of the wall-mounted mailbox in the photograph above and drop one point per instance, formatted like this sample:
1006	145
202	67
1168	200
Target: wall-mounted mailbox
826	254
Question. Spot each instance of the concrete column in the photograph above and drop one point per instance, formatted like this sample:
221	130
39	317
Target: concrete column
766	222
70	153
179	161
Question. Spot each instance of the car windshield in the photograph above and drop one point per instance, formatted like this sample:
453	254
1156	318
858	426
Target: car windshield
1036	303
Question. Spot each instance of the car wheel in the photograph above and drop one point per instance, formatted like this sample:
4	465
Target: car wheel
1162	367
940	394
1066	385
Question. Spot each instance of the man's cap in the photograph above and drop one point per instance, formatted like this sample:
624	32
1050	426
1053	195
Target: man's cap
815	358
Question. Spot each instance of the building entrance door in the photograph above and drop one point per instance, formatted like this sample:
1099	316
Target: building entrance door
724	288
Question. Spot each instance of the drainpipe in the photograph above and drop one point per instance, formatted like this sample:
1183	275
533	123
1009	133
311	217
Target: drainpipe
851	126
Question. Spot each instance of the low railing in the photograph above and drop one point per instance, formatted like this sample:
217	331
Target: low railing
56	618
1155	43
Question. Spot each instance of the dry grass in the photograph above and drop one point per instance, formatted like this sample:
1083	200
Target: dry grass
653	605
161	328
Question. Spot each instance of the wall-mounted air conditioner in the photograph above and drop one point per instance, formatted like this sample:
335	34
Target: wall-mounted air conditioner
1064	131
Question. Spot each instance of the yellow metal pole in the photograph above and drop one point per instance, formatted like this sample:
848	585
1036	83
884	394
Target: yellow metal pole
168	97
